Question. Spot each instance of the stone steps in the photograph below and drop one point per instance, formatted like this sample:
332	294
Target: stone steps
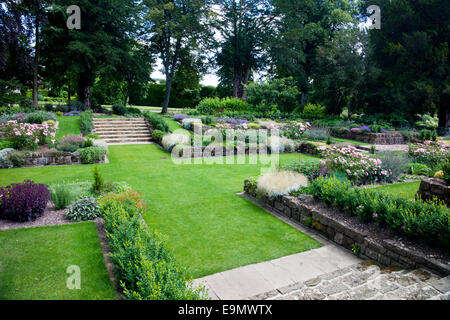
365	281
122	130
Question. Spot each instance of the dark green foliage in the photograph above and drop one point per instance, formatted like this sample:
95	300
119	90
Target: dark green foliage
446	169
99	182
145	267
415	219
426	134
92	154
217	105
86	122
119	109
157	121
279	92
40	116
419	169
157	136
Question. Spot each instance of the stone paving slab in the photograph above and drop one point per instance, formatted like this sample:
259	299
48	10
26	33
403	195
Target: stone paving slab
248	281
364	281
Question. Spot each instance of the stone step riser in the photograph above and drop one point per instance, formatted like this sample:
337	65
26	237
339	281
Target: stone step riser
127	124
123	130
106	132
118	119
124	136
126	140
113	128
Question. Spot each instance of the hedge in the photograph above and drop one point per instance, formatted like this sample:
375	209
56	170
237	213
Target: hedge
145	268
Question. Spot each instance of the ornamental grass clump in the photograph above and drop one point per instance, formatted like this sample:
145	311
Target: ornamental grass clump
23	201
170	140
62	196
280	183
278	144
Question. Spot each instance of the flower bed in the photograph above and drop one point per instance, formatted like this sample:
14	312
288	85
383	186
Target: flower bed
28	135
356	165
362	135
430	153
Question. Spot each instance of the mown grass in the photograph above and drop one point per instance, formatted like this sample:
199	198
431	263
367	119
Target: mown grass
209	227
34	262
67	125
406	189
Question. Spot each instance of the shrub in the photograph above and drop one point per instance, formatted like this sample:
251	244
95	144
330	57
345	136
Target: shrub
4	160
92	154
272	96
169	141
6	144
157	135
99	182
415	219
28	136
71	143
358	166
426	134
83	210
86	122
189	122
62	196
157	121
17	158
419	169
446	170
317	134
430	153
39	117
314	111
217	105
393	162
133	112
145	267
280	144
251	185
295	130
312	169
23	201
280	183
119	109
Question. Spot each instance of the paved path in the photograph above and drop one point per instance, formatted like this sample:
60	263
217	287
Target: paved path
248	281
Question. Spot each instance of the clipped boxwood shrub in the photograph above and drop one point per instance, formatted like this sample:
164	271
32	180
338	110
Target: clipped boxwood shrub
157	121
119	109
23	201
83	210
92	154
157	135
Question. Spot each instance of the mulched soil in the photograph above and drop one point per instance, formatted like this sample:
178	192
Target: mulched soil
377	233
50	217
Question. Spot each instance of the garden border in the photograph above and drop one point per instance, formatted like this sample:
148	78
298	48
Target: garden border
384	251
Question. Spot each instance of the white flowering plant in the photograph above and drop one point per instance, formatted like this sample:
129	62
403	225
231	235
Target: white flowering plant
430	153
280	183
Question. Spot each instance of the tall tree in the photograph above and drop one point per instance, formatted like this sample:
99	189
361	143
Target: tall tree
98	48
302	26
412	52
174	28
243	27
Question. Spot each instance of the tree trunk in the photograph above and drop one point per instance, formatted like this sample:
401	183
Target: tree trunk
245	83
444	116
69	94
304	98
36	66
237	83
167	96
87	97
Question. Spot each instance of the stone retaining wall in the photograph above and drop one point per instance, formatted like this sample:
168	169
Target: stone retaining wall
434	187
384	251
52	158
372	138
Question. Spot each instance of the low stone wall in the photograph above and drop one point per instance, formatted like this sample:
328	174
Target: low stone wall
53	158
370	137
384	251
434	188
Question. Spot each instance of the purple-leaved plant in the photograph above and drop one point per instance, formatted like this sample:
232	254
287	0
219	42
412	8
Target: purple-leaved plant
23	201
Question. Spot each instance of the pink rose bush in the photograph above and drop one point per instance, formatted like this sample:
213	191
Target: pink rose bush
430	153
355	164
29	135
295	130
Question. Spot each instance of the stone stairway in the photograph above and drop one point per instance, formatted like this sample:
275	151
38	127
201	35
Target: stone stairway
122	130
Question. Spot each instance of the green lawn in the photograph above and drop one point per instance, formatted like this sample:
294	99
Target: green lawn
68	125
407	189
34	261
209	227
